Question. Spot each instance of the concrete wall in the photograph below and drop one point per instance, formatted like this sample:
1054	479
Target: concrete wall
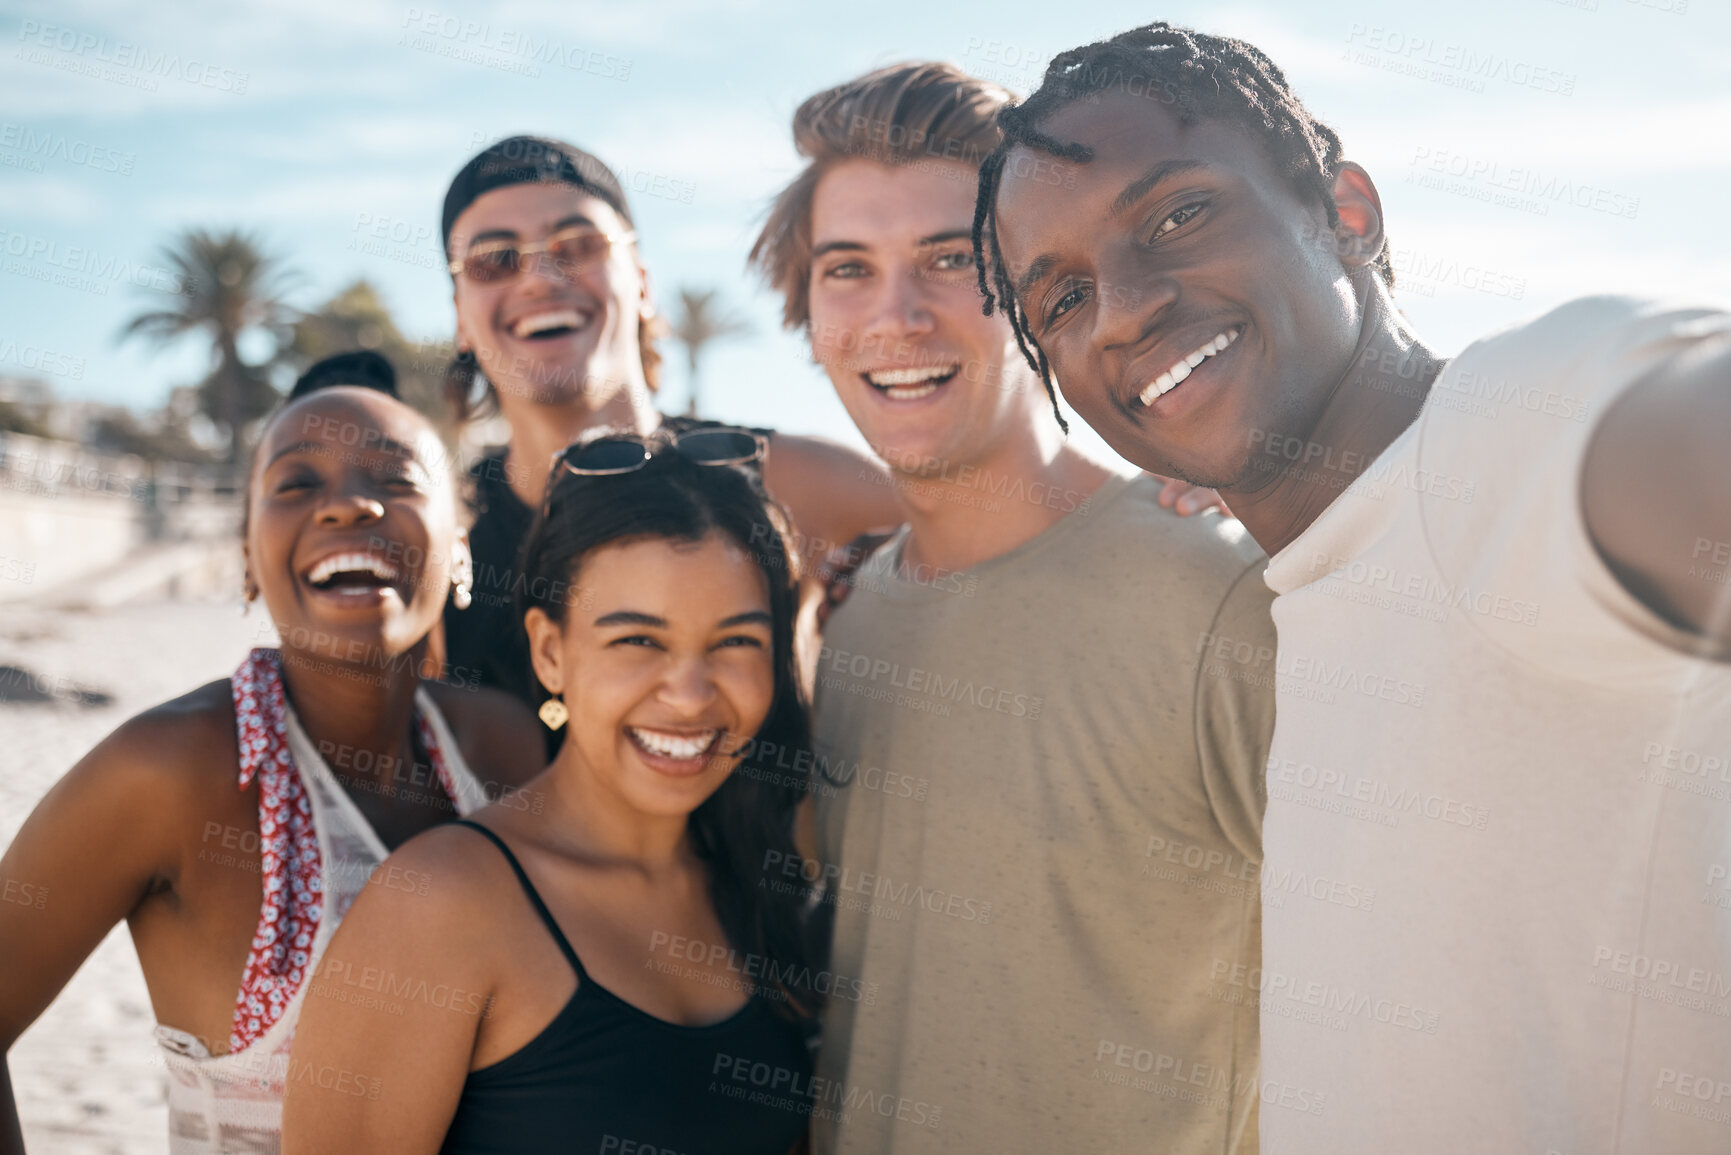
48	542
74	523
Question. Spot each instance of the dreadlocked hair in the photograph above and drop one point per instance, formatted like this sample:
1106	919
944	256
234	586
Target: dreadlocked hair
1202	77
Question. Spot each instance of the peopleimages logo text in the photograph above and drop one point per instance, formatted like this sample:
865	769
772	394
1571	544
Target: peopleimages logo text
136	57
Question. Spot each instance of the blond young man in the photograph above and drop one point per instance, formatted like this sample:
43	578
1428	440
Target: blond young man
1038	812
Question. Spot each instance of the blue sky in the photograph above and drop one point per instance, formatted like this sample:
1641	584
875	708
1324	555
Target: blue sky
1527	151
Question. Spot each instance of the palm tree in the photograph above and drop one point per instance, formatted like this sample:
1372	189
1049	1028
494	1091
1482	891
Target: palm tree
227	285
357	318
701	321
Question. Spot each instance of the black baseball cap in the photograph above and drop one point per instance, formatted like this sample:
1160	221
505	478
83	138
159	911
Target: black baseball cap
527	160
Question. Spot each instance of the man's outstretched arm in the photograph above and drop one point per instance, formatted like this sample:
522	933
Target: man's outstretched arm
1656	492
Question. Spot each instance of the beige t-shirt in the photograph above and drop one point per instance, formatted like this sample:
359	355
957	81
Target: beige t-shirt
1048	841
1479	725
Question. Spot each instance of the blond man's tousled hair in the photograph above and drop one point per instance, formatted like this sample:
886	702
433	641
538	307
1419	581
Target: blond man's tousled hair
918	112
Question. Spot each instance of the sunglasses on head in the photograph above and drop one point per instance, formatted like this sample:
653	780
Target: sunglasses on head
570	250
627	452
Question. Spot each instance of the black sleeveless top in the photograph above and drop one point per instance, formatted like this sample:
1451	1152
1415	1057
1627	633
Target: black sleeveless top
604	1075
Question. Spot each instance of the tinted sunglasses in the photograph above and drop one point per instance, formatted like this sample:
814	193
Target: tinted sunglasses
628	452
571	251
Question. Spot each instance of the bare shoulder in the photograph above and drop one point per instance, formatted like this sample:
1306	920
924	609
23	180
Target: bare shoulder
442	880
464	853
500	739
142	794
417	946
834	493
807	446
819	458
180	748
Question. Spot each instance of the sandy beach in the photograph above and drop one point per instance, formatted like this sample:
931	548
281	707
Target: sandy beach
86	1074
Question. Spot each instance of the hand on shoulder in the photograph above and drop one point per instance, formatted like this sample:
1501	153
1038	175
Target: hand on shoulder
1185	499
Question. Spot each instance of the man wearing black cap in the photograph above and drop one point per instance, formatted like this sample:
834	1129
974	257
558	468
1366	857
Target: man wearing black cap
555	317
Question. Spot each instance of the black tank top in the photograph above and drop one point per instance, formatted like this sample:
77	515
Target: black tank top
604	1075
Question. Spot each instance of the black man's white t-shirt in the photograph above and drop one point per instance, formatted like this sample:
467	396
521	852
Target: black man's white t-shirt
1527	770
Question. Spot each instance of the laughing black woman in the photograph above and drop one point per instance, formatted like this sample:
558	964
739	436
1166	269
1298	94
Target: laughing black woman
237	823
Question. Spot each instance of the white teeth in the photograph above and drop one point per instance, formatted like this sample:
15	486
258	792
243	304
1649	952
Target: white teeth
887	378
541	322
352	563
1167	380
673	745
910	384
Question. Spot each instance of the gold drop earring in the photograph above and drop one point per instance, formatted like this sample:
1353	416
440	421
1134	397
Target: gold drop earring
553	713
